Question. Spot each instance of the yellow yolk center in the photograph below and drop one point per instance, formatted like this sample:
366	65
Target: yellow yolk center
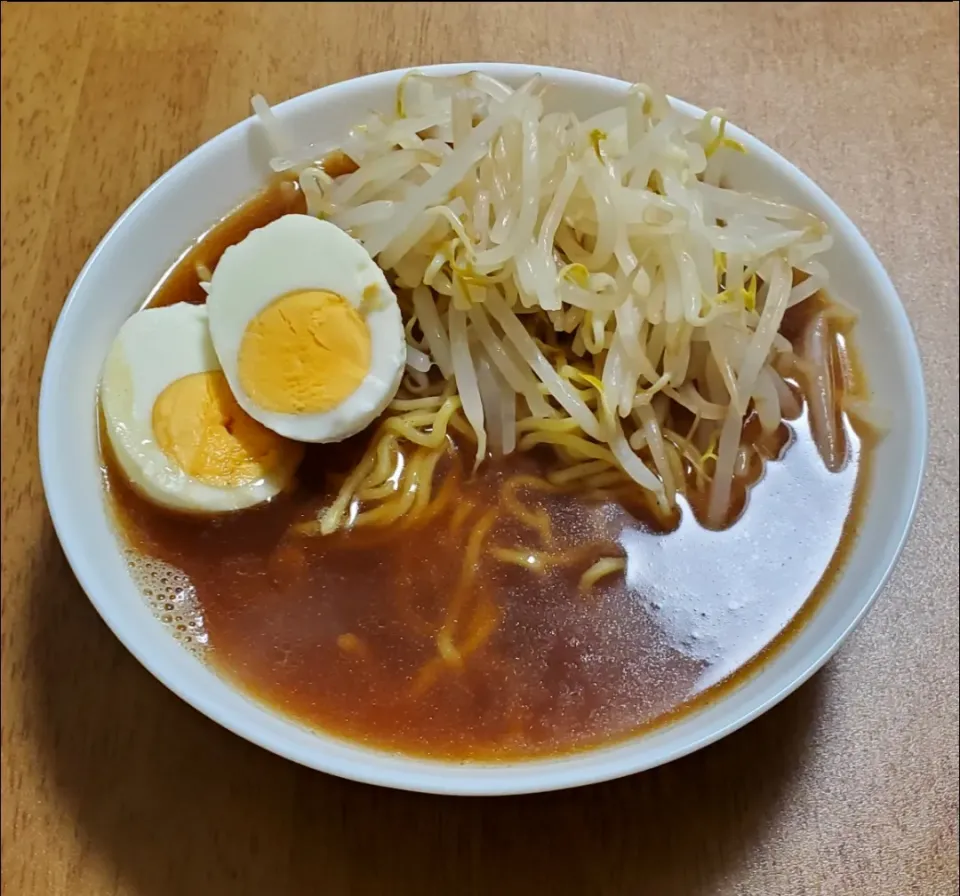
304	353
201	428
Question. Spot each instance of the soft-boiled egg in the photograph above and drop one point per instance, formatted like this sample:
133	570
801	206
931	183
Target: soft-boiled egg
175	428
307	329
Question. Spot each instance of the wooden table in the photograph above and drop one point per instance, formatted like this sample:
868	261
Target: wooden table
112	785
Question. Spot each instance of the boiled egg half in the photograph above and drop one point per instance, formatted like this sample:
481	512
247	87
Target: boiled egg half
175	427
307	329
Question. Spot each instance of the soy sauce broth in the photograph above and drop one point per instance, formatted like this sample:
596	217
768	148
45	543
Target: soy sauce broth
337	631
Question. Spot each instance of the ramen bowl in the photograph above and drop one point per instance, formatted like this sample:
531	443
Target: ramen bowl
212	181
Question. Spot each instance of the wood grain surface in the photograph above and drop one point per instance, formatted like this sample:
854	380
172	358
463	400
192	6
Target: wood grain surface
111	785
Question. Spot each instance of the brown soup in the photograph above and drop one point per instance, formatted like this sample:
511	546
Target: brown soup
340	631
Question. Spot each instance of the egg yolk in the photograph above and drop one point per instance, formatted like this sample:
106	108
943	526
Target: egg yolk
304	353
201	428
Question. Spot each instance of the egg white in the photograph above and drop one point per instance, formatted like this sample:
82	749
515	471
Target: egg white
153	349
299	252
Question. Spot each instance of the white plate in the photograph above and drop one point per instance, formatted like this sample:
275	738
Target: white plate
212	181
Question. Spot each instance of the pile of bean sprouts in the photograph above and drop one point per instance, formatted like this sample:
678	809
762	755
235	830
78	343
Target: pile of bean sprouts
581	284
